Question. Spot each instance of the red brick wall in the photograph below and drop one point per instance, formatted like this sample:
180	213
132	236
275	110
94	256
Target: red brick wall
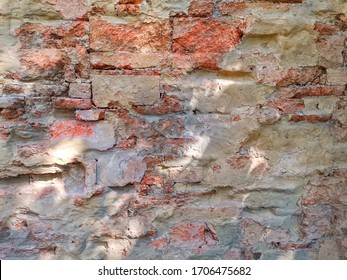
173	129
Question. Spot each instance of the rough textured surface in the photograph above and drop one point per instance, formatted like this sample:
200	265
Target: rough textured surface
162	129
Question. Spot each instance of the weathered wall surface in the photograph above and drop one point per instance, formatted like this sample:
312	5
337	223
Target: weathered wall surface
160	129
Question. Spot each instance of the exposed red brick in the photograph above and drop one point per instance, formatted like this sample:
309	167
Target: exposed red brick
142	37
231	8
128	143
82	62
5	132
236	118
127	9
98	10
13	89
288	106
325	28
322	202
72	103
71	37
160	243
152	179
45	63
39	36
303	76
205	40
68	128
168	104
193	236
298	92
341	21
130	1
152	161
143	190
310	118
201	8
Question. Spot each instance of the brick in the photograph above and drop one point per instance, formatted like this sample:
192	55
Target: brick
160	243
125	60
288	106
133	2
72	103
69	128
72	37
11	102
168	104
310	118
231	8
79	90
127	9
193	236
43	63
5	133
90	115
220	127
123	90
144	37
205	40
201	8
298	92
76	9
323	200
303	76
33	35
11	107
325	28
13	89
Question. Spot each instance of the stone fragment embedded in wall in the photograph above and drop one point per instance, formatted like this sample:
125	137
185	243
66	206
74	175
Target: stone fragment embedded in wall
126	90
